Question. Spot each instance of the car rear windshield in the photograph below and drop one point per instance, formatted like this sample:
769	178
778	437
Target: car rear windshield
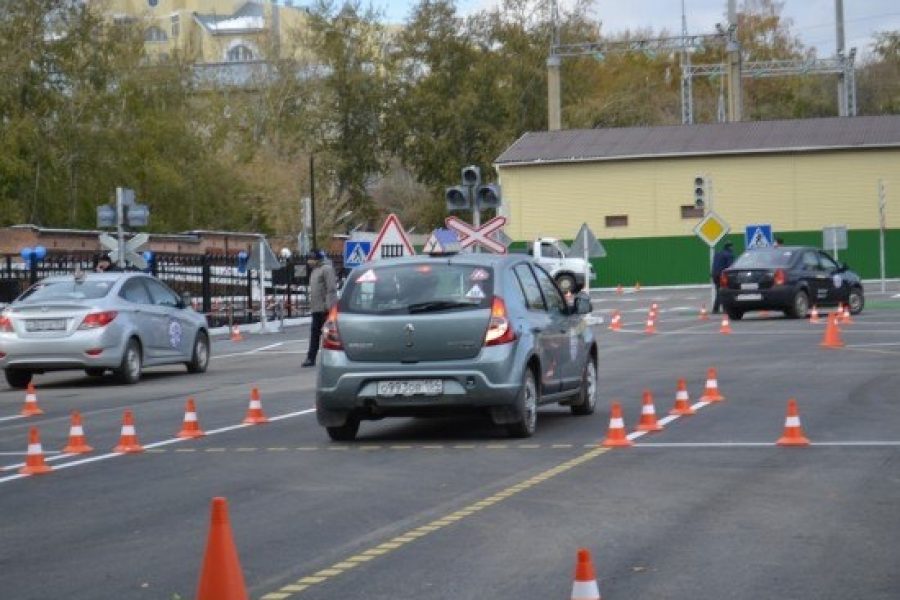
764	259
417	288
48	291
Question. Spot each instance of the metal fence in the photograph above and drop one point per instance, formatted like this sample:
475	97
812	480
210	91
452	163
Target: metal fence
215	284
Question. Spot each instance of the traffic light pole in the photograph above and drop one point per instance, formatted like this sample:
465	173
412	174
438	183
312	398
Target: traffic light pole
712	249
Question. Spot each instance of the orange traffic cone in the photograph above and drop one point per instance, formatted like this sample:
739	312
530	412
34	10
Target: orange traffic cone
30	408
585	585
845	318
814	315
619	289
651	324
221	577
34	460
255	414
236	334
704	316
616	435
654	308
615	324
711	394
832	337
726	326
793	432
682	401
648	420
190	428
77	443
128	441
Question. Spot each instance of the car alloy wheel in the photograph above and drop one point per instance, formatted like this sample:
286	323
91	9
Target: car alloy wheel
801	305
200	357
588	392
855	301
130	370
527	406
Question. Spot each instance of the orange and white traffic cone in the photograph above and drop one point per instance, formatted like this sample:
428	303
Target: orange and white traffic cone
711	394
726	326
255	414
616	435
846	318
832	337
221	576
615	324
814	315
190	428
30	408
77	442
654	308
651	324
236	334
128	441
34	460
648	420
704	316
682	401
793	433
585	585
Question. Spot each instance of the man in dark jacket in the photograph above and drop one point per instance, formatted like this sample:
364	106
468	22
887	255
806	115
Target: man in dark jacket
322	294
721	261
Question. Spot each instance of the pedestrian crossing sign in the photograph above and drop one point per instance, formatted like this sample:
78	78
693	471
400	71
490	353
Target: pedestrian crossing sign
758	236
356	252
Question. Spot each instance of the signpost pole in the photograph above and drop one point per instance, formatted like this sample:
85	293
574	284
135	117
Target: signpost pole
587	270
120	231
262	287
882	202
712	249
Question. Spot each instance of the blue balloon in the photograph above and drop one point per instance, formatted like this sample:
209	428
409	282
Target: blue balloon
148	255
242	255
27	253
40	252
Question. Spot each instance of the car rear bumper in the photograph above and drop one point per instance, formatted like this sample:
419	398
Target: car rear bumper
779	297
61	353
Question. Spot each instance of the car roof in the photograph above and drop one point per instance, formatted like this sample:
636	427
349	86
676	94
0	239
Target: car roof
466	258
783	249
93	276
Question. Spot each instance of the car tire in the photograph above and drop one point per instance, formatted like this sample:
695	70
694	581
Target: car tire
346	432
129	372
799	306
735	314
200	356
18	378
566	283
526	407
95	371
856	300
587	394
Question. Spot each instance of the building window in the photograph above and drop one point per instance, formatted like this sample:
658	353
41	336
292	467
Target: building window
176	26
239	54
152	3
155	34
689	211
617	220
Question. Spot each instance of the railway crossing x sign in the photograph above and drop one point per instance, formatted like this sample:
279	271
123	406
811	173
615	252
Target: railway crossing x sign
469	236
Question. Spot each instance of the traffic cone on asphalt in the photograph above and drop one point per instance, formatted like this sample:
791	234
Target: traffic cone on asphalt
255	415
682	401
616	435
651	324
832	337
615	324
77	443
846	318
221	576
711	394
128	441
31	408
726	326
793	433
585	585
619	289
648	420
814	315
236	334
34	460
637	286
190	428
704	316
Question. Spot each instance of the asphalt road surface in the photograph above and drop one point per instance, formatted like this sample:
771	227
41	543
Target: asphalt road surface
709	508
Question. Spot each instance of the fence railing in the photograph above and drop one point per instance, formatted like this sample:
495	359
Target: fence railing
216	285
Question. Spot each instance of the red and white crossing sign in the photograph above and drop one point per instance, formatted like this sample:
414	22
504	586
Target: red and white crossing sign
469	236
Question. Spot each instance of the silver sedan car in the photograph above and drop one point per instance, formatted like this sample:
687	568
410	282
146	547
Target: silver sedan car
99	322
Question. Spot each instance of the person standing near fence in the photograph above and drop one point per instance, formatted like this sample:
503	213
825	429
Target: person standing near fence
322	294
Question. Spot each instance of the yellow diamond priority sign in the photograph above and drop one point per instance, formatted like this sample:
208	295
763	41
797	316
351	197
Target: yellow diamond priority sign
711	229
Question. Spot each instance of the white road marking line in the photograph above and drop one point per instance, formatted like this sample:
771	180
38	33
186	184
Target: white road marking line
666	420
149	446
759	444
12	418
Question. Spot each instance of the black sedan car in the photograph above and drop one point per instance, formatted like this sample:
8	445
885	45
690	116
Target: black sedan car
790	279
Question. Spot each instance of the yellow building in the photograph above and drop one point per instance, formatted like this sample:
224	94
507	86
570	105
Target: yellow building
634	188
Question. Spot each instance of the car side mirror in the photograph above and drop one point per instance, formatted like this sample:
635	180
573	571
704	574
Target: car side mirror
583	305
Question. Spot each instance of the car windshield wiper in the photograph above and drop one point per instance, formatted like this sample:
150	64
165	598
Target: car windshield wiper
434	305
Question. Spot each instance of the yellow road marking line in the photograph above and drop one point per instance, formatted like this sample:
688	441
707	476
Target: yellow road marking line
246	449
424	530
216	449
400	447
185	449
157	450
277	449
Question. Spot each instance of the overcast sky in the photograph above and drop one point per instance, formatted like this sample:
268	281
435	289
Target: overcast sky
813	20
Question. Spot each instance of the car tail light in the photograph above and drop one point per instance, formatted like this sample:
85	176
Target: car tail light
5	323
331	337
500	330
779	277
723	280
98	319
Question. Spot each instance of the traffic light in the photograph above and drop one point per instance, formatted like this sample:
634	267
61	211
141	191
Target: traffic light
471	175
700	191
488	196
457	198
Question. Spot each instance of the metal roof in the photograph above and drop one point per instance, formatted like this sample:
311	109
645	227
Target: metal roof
750	137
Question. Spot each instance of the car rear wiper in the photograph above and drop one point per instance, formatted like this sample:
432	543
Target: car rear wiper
434	305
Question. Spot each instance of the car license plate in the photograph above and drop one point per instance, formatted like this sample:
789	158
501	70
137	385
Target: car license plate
749	286
748	297
45	325
411	387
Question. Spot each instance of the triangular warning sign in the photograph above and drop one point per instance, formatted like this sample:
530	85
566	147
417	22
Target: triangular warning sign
586	243
759	239
391	242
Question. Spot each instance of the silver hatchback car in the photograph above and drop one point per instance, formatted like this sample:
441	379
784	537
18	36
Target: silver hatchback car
97	322
431	335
